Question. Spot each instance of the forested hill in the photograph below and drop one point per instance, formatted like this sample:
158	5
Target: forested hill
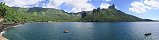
109	15
38	14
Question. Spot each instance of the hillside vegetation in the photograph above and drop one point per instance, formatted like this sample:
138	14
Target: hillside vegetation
109	15
38	14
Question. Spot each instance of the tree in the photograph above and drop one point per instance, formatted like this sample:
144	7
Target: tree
2	9
35	13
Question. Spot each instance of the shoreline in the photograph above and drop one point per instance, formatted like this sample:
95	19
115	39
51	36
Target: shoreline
5	26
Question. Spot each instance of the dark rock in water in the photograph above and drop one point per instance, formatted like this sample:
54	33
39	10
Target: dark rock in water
147	34
66	31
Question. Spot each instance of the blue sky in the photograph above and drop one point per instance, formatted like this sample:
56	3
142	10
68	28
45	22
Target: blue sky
147	9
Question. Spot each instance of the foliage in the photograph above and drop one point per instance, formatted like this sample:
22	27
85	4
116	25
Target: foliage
109	15
3	9
23	15
37	14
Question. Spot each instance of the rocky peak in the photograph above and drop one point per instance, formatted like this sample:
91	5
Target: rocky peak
112	7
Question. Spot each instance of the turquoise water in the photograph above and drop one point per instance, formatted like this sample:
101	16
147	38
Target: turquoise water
82	31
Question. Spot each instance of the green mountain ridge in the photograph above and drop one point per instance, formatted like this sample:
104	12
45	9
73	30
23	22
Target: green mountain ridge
38	14
110	15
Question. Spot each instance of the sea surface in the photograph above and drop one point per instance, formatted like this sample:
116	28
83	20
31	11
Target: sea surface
84	31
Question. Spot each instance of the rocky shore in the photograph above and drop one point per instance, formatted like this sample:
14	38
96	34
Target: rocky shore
5	26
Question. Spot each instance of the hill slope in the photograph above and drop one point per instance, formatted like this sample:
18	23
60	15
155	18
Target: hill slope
109	15
37	14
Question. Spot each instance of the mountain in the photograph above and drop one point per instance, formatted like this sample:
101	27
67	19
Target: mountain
97	15
109	15
38	14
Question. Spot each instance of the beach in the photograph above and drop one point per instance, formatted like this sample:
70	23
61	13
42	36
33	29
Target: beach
2	38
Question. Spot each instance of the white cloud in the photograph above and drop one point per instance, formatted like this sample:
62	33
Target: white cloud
104	5
20	3
152	3
107	0
143	6
55	3
138	7
89	0
77	5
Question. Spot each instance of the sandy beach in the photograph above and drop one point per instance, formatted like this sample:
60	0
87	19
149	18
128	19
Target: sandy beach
2	38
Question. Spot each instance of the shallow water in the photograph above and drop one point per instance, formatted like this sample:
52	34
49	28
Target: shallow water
82	31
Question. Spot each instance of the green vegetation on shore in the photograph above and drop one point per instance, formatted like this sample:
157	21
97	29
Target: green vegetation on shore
38	14
23	15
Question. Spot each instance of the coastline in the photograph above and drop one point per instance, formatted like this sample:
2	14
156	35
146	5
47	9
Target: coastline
2	38
5	26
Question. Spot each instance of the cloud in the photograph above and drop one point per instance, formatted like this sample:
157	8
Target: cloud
21	3
104	5
107	0
138	7
77	5
152	3
143	6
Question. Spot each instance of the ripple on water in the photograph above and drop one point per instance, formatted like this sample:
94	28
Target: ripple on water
81	31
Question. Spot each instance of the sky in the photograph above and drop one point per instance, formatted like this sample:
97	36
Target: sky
146	9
